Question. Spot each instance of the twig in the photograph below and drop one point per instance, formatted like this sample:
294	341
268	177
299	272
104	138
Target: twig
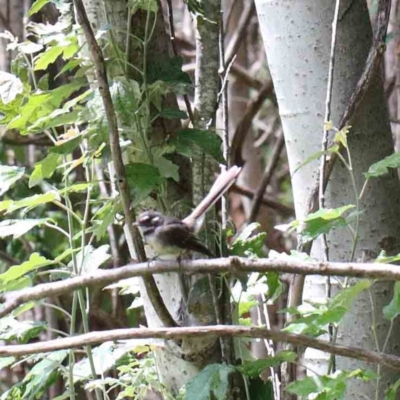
327	118
41	140
266	201
242	73
244	125
123	187
93	338
233	265
269	171
239	33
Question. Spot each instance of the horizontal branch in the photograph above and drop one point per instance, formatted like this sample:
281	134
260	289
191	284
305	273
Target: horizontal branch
234	265
93	338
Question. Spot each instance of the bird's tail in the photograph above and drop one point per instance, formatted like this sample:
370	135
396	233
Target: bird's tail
220	186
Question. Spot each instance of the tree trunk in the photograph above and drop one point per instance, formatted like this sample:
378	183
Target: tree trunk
297	39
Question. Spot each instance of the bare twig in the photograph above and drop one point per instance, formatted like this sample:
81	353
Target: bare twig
93	338
41	140
233	265
327	118
244	125
266	201
269	171
123	187
239	33
242	73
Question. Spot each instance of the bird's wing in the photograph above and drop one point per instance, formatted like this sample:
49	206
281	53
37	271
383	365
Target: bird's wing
179	235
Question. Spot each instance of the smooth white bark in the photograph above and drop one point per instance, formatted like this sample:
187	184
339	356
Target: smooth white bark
297	37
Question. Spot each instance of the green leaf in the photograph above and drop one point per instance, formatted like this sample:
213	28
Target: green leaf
42	104
37	6
35	262
10	87
44	374
341	136
77	188
6	361
210	384
391	393
314	318
18	227
30	202
166	168
392	310
143	179
146	5
58	117
44	169
67	146
249	243
48	57
346	296
8	176
93	259
189	139
316	156
328	387
254	368
105	357
384	259
274	286
382	167
22	331
321	222
104	217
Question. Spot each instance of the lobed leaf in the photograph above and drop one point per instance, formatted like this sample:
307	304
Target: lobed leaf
44	169
382	167
211	383
18	227
8	176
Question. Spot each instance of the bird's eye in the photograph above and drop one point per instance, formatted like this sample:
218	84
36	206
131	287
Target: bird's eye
155	219
144	219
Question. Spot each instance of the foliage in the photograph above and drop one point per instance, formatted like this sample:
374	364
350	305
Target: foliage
328	387
58	211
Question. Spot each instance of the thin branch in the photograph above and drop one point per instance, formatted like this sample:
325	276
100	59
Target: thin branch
123	187
93	338
327	118
239	33
266	201
244	125
41	140
268	173
242	73
232	265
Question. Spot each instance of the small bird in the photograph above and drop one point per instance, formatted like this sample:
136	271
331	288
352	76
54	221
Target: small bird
169	236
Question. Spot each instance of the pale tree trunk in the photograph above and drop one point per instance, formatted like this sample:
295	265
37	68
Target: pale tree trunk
297	39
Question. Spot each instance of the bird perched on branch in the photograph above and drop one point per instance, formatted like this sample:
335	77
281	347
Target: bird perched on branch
169	236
